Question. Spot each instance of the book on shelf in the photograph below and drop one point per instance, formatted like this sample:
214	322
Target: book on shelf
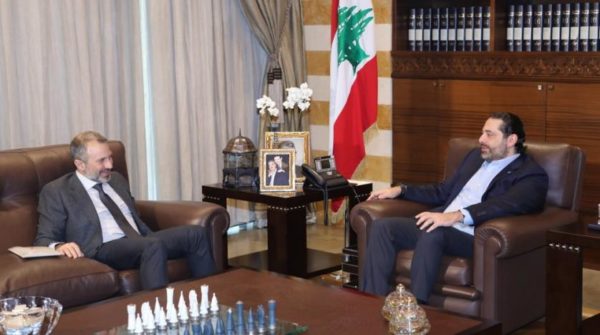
518	29
443	29
486	29
460	29
536	32
478	29
547	28
427	29
412	25
584	27
565	26
452	18
527	27
574	27
469	26
593	31
435	29
556	26
510	25
419	30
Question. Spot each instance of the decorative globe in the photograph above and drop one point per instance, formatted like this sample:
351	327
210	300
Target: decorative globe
29	315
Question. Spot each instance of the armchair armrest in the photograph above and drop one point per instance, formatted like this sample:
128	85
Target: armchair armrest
160	215
520	234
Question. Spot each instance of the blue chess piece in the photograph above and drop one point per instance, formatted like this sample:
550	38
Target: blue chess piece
250	321
239	309
220	327
272	318
229	328
208	328
260	318
196	328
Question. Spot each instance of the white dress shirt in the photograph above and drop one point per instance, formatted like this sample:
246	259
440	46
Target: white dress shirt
474	189
110	228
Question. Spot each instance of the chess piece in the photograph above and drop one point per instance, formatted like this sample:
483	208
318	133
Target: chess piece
208	329
260	319
131	317
229	327
214	305
272	320
204	300
147	317
138	325
220	328
156	310
183	311
161	319
194	311
250	323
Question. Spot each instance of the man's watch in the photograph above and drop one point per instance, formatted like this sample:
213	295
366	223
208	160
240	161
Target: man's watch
402	190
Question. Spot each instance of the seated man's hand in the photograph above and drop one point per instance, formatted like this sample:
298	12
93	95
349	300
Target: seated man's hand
388	193
430	220
70	250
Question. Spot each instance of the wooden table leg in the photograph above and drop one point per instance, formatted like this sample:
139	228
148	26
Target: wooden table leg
563	288
287	240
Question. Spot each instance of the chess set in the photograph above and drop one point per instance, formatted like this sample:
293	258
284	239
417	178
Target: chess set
204	317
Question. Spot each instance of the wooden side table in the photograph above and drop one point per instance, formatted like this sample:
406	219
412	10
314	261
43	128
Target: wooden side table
286	216
564	263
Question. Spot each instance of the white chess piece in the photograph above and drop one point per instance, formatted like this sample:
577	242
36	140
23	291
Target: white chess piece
204	300
138	325
156	309
161	319
182	309
214	305
131	317
193	299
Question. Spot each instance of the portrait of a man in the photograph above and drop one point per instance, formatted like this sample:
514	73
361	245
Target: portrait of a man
277	170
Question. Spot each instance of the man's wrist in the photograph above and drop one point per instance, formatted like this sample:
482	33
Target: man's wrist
402	190
460	217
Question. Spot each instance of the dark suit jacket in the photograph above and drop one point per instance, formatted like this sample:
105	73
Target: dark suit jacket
67	214
518	189
281	178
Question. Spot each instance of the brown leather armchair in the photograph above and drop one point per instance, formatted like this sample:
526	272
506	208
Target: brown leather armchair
505	280
23	173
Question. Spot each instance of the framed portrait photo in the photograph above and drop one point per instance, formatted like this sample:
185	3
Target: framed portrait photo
276	170
297	140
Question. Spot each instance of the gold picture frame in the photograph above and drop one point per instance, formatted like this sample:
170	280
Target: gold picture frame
274	170
297	140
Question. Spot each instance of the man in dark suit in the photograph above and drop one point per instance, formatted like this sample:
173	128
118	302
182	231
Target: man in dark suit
498	179
90	213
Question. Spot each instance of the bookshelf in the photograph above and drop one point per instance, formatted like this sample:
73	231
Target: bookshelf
440	95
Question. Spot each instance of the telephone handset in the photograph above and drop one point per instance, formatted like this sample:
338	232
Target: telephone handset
324	175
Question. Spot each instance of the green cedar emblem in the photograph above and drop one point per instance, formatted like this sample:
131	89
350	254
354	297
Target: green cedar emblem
351	26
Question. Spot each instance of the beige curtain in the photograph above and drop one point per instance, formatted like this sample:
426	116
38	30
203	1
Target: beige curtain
204	65
279	28
68	66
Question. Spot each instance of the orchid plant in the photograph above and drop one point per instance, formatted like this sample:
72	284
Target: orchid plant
296	96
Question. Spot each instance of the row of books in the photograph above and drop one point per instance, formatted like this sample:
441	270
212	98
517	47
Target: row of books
449	29
553	27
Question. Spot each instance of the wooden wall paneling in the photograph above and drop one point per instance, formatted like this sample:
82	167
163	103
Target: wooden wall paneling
466	104
574	118
415	129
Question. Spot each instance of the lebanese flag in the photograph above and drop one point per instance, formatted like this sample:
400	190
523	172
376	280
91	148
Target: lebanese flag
353	101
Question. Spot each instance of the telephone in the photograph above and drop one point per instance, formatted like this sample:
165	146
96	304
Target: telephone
324	176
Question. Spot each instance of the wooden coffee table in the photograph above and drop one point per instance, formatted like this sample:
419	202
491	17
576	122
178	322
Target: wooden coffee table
323	309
